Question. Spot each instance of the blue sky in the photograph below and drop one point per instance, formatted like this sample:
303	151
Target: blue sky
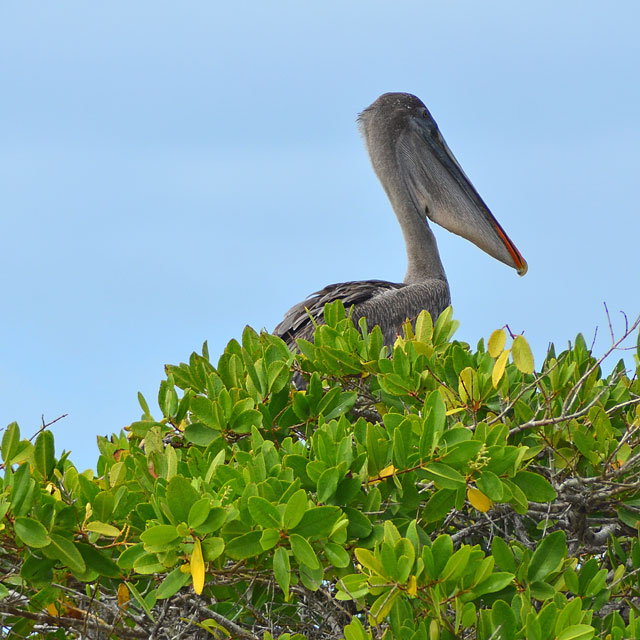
170	172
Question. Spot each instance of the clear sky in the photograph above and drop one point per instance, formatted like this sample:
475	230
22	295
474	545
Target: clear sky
172	171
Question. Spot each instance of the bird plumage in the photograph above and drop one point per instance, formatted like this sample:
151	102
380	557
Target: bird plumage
423	180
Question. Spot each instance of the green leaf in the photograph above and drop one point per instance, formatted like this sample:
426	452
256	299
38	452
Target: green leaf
103	529
295	509
65	551
102	506
168	398
245	546
98	560
535	487
21	489
370	560
384	603
548	556
522	356
359	525
334	406
263	512
490	485
181	496
159	536
317	522
141	601
327	484
311	578
442	549
215	519
203	409
518	499
503	555
269	538
140	428
596	584
199	513
129	556
31	532
282	570
10	440
459	454
200	434
577	632
502	616
143	404
444	476
440	503
303	551
542	590
355	630
352	586
456	564
212	548
172	583
243	422
336	555
445	327
495	582
44	453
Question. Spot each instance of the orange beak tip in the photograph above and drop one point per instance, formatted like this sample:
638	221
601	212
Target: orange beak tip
523	269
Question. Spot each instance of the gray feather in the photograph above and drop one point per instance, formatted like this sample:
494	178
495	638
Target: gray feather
422	179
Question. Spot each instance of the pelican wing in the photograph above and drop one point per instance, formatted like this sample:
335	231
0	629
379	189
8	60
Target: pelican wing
297	323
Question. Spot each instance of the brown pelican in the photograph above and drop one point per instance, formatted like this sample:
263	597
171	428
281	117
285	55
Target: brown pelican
422	180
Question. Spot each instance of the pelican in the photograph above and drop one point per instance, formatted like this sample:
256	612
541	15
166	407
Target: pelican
423	181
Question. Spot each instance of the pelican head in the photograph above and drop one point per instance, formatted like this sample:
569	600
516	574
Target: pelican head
411	157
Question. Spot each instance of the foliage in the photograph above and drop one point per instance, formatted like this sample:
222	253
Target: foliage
444	492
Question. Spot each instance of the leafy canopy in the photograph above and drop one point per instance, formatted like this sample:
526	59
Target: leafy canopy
443	492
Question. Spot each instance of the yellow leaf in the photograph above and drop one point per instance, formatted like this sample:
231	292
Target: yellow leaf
522	356
387	472
123	595
412	587
54	491
400	342
478	499
52	610
197	567
408	330
496	342
423	349
468	387
499	367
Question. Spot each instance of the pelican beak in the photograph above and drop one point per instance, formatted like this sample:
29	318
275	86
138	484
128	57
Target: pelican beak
440	188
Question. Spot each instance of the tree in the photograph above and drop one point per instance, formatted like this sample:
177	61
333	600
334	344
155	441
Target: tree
445	492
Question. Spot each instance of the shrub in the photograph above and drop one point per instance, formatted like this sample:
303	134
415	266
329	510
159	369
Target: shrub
445	492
